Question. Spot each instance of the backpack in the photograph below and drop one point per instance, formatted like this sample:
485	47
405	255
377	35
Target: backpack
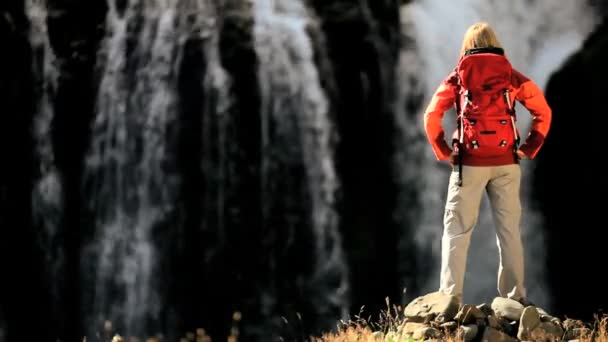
486	116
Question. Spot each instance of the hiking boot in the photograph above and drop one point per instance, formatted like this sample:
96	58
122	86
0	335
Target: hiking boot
525	302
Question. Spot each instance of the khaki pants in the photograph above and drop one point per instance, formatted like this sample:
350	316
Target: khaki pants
502	184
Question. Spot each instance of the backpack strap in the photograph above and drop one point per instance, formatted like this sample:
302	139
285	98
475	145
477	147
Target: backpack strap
512	114
467	101
460	109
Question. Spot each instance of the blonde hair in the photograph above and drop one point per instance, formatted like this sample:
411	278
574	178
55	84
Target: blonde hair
479	35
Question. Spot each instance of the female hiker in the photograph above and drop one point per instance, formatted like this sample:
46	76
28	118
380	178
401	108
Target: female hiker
484	154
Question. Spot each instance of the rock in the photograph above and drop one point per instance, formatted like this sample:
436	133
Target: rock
507	308
486	308
426	333
547	331
469	314
434	317
505	325
467	333
493	322
411	327
493	335
448	326
435	305
529	320
513	327
481	323
545	317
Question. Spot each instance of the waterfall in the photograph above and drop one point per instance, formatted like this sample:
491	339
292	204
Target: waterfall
130	176
132	183
47	192
538	36
297	132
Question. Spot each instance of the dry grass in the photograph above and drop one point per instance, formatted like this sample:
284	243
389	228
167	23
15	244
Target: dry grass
597	332
389	329
200	335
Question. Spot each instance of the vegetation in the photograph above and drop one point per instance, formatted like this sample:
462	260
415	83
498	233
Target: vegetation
200	335
390	329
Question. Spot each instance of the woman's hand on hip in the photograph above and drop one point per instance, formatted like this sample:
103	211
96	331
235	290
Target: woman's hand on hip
453	159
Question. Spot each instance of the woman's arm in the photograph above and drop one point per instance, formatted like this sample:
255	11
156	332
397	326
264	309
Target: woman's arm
533	99
442	100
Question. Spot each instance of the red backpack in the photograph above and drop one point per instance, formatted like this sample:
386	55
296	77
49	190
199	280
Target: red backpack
486	116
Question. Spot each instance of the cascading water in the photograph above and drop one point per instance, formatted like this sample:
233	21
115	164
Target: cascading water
131	181
538	36
47	194
297	132
130	176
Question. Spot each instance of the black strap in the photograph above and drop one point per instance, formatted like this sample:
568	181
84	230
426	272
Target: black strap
467	97
459	165
512	114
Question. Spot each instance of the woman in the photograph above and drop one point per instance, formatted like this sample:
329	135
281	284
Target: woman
498	175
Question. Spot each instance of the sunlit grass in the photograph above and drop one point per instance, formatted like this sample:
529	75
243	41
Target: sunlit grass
389	328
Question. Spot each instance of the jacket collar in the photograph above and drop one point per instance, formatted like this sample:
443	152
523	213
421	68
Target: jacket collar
491	49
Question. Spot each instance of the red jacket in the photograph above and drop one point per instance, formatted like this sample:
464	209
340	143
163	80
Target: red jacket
525	91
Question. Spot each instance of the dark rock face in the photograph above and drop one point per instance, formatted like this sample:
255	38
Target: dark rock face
363	44
601	6
21	260
217	264
74	32
569	183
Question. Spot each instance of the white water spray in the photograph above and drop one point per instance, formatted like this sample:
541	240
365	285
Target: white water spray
47	196
129	168
295	105
537	36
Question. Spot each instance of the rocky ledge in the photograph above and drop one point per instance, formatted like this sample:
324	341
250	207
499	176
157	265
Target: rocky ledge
437	316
